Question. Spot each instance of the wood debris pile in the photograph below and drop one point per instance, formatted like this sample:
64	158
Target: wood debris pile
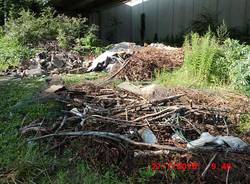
108	125
146	61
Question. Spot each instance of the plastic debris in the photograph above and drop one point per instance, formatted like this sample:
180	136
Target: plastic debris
207	139
107	60
147	136
102	61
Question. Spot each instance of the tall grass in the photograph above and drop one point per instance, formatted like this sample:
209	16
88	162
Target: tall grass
202	58
209	63
201	63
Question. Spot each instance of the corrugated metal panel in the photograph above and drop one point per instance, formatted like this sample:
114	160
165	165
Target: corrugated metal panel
172	17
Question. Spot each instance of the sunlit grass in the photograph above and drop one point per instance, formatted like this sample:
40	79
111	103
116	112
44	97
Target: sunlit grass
80	78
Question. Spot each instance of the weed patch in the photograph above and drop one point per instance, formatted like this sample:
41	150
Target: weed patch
207	63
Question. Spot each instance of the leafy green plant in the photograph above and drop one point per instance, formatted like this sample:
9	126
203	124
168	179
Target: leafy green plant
244	123
201	65
241	75
233	50
210	62
25	32
70	29
89	43
30	29
222	32
146	174
12	52
201	57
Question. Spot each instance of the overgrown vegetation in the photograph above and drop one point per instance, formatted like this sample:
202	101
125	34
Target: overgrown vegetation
12	52
23	34
210	62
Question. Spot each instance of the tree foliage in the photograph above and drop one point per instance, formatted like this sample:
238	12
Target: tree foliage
15	6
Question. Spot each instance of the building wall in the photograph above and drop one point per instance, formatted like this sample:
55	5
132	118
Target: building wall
166	18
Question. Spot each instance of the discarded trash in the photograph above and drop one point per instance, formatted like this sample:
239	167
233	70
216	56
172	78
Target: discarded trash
106	60
207	139
147	135
110	119
52	60
76	112
178	138
102	61
124	47
54	88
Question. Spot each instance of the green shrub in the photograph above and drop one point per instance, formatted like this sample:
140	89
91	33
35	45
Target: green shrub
205	21
89	43
209	63
241	75
234	51
222	32
233	54
29	29
25	32
70	29
11	52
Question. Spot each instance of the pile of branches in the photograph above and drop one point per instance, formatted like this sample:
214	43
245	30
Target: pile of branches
145	61
106	123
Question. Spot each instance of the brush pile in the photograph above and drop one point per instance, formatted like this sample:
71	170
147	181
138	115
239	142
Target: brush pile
146	61
113	126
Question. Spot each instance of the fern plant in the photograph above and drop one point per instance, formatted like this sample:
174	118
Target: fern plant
201	54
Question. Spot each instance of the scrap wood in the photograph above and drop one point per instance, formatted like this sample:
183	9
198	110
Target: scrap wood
208	166
118	121
120	138
113	136
150	153
146	60
27	130
125	63
115	116
167	99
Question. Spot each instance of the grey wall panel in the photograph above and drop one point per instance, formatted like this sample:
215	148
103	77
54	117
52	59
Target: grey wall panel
199	8
150	10
224	11
247	12
188	15
136	17
123	18
237	13
167	17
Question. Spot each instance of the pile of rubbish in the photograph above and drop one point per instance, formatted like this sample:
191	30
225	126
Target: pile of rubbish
131	126
136	62
52	60
126	60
